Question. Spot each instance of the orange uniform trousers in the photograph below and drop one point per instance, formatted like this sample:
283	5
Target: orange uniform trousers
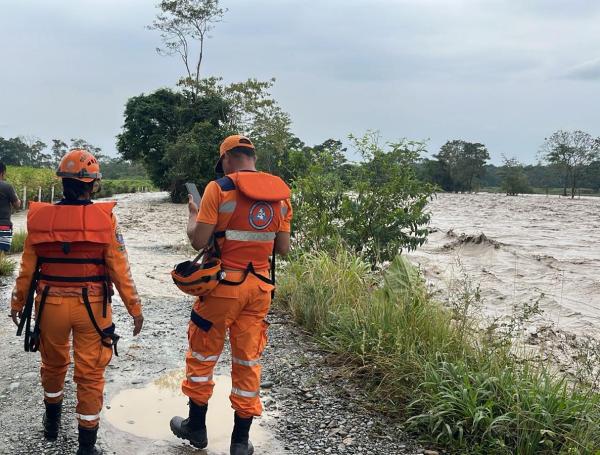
61	317
239	310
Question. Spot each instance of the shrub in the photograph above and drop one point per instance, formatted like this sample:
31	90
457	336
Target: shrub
7	266
454	385
18	242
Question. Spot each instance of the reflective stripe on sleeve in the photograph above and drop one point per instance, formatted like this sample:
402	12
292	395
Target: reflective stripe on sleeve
88	417
250	236
247	363
53	394
284	210
227	207
244	393
210	358
200	378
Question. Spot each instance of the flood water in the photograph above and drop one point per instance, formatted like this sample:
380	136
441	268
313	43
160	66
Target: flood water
520	249
146	412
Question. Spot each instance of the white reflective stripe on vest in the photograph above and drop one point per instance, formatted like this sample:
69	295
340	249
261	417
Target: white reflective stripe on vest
250	236
88	418
247	363
244	393
53	394
200	378
210	358
227	207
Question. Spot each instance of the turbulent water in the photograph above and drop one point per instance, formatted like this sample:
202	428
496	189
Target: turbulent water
520	249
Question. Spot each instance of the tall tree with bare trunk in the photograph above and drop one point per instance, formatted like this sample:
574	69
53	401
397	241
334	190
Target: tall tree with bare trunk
184	27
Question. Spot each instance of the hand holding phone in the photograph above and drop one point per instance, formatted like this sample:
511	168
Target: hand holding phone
192	190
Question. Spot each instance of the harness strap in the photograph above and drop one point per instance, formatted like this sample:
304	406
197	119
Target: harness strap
74	279
103	334
33	339
45	260
249	270
25	322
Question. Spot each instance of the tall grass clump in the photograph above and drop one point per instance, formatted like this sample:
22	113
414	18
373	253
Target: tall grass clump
18	242
454	385
7	266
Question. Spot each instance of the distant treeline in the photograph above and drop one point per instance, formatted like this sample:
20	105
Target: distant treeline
25	151
569	160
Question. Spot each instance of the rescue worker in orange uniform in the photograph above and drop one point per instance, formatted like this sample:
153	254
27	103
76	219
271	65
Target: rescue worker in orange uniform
73	254
248	214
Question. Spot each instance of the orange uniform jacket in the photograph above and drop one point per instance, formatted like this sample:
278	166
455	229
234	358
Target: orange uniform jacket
117	265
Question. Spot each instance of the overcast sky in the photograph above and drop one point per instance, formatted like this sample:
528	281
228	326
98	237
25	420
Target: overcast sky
506	73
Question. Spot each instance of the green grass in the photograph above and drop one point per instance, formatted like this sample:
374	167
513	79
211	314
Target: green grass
7	266
454	385
18	242
34	178
112	187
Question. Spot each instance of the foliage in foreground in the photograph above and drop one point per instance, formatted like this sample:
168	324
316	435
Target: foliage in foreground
454	385
18	242
7	266
379	211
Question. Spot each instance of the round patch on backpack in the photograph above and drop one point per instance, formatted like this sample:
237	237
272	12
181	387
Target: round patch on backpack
261	215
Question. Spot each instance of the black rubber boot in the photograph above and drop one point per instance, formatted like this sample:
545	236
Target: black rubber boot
240	444
194	427
87	441
51	420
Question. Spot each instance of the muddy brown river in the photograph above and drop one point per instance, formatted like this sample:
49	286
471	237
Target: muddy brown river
519	249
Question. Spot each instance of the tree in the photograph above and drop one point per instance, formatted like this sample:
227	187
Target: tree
59	149
23	151
514	179
183	23
571	151
465	162
159	129
380	213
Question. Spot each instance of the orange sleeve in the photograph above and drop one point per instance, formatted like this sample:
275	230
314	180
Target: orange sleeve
209	206
117	263
26	271
287	212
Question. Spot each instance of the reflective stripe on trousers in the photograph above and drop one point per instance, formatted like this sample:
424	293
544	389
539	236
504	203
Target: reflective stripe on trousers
200	378
244	393
210	358
53	394
88	417
247	363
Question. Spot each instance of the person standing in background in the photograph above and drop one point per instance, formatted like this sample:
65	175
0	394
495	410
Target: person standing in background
8	202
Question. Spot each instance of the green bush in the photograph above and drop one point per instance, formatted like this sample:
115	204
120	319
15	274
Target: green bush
7	266
18	242
33	179
380	213
112	187
454	385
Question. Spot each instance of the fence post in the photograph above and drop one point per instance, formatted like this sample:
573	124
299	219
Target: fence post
24	198
52	195
39	194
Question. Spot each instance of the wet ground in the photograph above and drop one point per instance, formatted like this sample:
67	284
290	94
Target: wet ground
310	407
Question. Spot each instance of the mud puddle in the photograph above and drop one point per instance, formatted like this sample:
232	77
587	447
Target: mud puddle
146	412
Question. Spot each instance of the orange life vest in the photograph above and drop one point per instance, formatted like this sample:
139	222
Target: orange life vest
250	235
70	241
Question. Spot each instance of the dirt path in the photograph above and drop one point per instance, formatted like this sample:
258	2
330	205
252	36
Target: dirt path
310	409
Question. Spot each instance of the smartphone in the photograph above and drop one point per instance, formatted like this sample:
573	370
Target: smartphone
192	189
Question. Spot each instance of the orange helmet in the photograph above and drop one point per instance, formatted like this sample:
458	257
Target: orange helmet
79	164
198	279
